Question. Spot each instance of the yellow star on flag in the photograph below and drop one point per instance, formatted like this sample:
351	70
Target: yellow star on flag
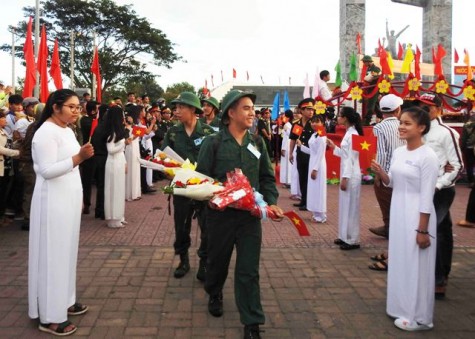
365	146
296	221
139	132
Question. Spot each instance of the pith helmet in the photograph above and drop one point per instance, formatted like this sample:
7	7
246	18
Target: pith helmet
190	99
234	96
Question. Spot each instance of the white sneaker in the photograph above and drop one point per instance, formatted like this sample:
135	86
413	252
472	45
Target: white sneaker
406	325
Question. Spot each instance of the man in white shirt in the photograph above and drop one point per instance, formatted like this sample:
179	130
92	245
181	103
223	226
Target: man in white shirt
445	142
324	92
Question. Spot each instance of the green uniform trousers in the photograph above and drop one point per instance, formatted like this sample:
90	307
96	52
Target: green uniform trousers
227	229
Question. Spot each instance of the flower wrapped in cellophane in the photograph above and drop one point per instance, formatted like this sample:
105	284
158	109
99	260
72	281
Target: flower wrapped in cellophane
164	161
239	194
194	185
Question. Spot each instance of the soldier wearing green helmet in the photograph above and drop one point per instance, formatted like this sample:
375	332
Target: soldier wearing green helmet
234	147
186	138
210	107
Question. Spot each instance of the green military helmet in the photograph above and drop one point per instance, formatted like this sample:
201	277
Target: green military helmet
212	101
190	99
367	58
233	96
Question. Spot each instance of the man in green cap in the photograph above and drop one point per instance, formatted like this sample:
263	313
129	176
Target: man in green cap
234	147
371	78
185	138
210	107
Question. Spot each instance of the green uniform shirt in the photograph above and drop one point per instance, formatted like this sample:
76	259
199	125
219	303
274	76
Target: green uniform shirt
220	153
186	146
215	123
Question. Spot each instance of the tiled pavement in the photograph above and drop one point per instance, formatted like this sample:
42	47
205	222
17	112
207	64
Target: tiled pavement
310	289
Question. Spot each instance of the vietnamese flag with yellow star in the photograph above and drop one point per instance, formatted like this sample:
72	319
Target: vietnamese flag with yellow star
297	129
138	131
298	223
320	130
366	146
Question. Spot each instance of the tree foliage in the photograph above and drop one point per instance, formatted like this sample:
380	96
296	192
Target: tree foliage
122	38
174	90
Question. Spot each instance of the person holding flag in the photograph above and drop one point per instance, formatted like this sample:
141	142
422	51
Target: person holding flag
302	131
350	185
317	171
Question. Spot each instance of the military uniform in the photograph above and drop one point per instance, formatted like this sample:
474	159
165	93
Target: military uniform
302	158
187	147
220	154
214	124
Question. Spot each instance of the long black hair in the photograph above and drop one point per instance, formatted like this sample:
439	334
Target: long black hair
353	118
58	97
114	124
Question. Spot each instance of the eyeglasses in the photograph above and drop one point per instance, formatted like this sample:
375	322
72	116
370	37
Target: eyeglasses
74	108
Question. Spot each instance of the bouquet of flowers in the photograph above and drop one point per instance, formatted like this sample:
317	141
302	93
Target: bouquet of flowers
194	185
163	161
239	194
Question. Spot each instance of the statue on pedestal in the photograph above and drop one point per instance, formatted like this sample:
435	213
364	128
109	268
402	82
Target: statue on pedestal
392	39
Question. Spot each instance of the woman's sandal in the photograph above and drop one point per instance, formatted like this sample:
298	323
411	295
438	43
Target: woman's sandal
77	309
60	330
379	266
379	257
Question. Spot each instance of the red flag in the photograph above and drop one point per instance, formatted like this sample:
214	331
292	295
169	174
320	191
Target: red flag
93	128
55	69
466	60
417	63
366	146
383	60
42	66
456	56
400	51
30	76
358	42
363	72
95	69
298	223
234	73
297	129
321	131
441	53
138	131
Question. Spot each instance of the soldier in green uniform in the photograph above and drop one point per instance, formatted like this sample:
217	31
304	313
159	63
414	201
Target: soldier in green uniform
185	138
210	107
234	147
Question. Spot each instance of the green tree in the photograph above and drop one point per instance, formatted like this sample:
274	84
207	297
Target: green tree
174	90
121	37
140	85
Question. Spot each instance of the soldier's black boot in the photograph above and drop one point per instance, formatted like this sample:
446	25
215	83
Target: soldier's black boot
252	332
183	267
201	274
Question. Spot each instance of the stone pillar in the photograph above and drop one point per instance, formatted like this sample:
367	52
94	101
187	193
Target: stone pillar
352	21
437	29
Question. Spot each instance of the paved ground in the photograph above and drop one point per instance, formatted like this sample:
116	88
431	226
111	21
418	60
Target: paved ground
310	289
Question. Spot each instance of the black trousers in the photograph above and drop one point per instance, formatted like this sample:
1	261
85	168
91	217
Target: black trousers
445	242
183	211
226	230
87	169
302	167
470	213
469	156
100	173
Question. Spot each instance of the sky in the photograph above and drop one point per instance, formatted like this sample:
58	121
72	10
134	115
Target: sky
275	39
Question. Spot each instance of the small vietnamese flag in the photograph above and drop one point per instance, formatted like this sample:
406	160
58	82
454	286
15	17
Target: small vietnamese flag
366	146
400	51
234	73
456	56
298	223
297	130
321	131
138	131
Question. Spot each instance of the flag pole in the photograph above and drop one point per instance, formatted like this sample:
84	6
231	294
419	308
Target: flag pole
94	94
13	59
71	68
37	38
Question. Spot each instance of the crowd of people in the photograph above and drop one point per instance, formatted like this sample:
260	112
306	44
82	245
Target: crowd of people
84	143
